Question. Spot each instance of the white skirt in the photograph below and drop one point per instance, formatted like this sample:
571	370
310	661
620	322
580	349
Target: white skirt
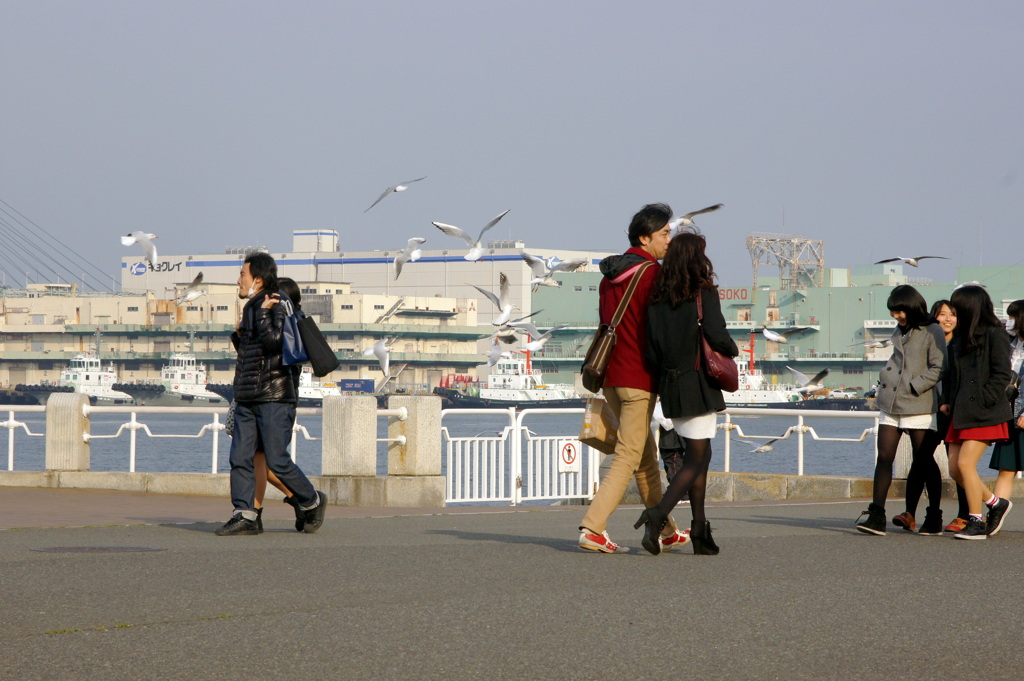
696	427
908	421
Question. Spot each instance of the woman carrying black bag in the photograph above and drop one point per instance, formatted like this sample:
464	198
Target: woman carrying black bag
687	398
1008	457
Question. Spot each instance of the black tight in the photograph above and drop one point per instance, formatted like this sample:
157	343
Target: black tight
888	441
924	473
692	477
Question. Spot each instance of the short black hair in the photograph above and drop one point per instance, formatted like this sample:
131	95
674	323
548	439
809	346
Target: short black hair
1015	311
905	298
647	221
263	266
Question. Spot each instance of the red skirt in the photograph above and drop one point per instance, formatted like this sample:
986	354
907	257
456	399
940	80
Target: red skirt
985	433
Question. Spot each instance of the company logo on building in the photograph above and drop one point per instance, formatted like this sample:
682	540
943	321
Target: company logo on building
138	268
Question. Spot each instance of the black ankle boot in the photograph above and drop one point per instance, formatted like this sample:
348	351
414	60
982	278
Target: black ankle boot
700	536
300	515
259	520
653	521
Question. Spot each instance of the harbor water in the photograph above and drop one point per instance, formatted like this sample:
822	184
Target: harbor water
189	454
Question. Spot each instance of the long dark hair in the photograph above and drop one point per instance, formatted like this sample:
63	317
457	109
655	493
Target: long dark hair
288	285
908	300
686	270
974	314
1015	311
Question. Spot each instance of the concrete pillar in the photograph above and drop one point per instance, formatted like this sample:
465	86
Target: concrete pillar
421	453
66	425
349	435
904	458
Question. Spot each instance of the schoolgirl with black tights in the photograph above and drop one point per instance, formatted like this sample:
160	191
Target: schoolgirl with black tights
908	402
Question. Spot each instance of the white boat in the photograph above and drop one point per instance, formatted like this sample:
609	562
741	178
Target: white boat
755	391
512	382
312	393
87	375
182	383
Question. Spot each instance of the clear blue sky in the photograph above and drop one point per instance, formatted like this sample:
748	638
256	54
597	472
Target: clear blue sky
882	128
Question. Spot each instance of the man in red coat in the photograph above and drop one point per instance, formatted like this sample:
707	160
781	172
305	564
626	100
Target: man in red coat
629	385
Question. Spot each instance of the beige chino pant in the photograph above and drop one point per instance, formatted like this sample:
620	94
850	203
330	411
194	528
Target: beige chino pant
636	455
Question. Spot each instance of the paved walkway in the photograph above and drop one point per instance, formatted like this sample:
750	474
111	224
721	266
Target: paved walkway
496	593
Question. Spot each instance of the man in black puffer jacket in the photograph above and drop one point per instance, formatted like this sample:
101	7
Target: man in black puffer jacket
265	399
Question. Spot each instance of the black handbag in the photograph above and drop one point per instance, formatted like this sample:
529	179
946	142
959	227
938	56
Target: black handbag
595	362
321	356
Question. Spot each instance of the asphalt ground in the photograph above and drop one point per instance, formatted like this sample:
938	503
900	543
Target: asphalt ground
495	593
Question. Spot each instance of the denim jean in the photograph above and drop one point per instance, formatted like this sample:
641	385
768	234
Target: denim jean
269	423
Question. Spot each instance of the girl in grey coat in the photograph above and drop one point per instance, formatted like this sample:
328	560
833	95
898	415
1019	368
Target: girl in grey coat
908	403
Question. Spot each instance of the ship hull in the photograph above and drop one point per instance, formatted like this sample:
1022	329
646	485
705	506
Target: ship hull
460	400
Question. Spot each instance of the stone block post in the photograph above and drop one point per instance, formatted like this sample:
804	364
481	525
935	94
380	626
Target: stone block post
421	453
66	426
349	435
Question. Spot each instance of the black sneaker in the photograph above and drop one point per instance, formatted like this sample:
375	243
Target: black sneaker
238	525
259	520
932	524
875	523
996	515
300	515
975	530
315	516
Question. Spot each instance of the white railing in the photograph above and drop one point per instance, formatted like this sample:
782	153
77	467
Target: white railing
800	429
133	426
515	464
12	425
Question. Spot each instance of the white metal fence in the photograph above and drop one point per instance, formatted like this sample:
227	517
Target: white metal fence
516	465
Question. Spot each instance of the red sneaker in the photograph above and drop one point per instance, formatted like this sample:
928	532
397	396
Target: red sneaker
599	542
673	540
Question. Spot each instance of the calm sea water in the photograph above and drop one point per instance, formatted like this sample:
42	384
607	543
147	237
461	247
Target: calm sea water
194	455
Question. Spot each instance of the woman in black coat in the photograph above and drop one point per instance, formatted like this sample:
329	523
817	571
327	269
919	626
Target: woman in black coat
673	337
976	402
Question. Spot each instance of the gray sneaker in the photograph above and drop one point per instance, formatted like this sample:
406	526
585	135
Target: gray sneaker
975	530
238	525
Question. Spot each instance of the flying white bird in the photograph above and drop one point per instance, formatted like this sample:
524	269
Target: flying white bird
145	240
395	188
762	448
686	220
509	335
539	339
502	301
911	261
808	385
543	270
496	353
476	248
192	291
381	350
411	253
875	344
780	337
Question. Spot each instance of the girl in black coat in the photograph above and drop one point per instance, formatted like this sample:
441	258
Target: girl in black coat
976	401
687	399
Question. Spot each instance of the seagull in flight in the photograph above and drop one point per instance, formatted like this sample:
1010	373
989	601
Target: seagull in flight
543	270
145	240
875	344
381	350
687	220
476	248
192	291
394	188
507	334
496	353
809	385
502	301
780	337
913	262
539	339
762	448
411	253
